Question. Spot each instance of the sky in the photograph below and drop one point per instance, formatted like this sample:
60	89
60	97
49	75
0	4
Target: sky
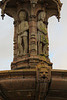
57	32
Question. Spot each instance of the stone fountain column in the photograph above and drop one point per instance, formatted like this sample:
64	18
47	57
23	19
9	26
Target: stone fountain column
30	26
31	43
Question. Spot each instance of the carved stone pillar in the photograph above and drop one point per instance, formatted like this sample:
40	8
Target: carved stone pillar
37	51
32	33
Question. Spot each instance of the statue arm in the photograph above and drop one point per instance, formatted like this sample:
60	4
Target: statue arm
42	27
24	27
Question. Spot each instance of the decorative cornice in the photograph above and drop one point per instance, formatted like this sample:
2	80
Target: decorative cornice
58	4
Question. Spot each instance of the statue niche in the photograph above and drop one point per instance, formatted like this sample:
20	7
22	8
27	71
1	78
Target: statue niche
23	28
42	38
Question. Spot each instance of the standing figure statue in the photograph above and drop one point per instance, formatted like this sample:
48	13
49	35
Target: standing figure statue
22	34
42	39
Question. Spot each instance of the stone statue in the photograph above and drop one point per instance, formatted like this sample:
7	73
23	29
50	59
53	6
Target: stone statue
42	34
23	34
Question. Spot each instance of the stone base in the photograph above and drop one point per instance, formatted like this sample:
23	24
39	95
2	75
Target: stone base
29	62
21	85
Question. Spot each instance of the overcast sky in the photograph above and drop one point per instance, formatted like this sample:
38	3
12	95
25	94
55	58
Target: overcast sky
57	40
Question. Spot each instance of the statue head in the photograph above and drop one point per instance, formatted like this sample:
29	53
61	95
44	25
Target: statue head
44	71
22	15
42	15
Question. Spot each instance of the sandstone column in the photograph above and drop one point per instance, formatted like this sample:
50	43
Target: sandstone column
32	32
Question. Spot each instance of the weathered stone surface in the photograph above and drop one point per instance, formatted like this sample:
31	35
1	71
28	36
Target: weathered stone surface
30	25
30	49
23	27
13	84
42	35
